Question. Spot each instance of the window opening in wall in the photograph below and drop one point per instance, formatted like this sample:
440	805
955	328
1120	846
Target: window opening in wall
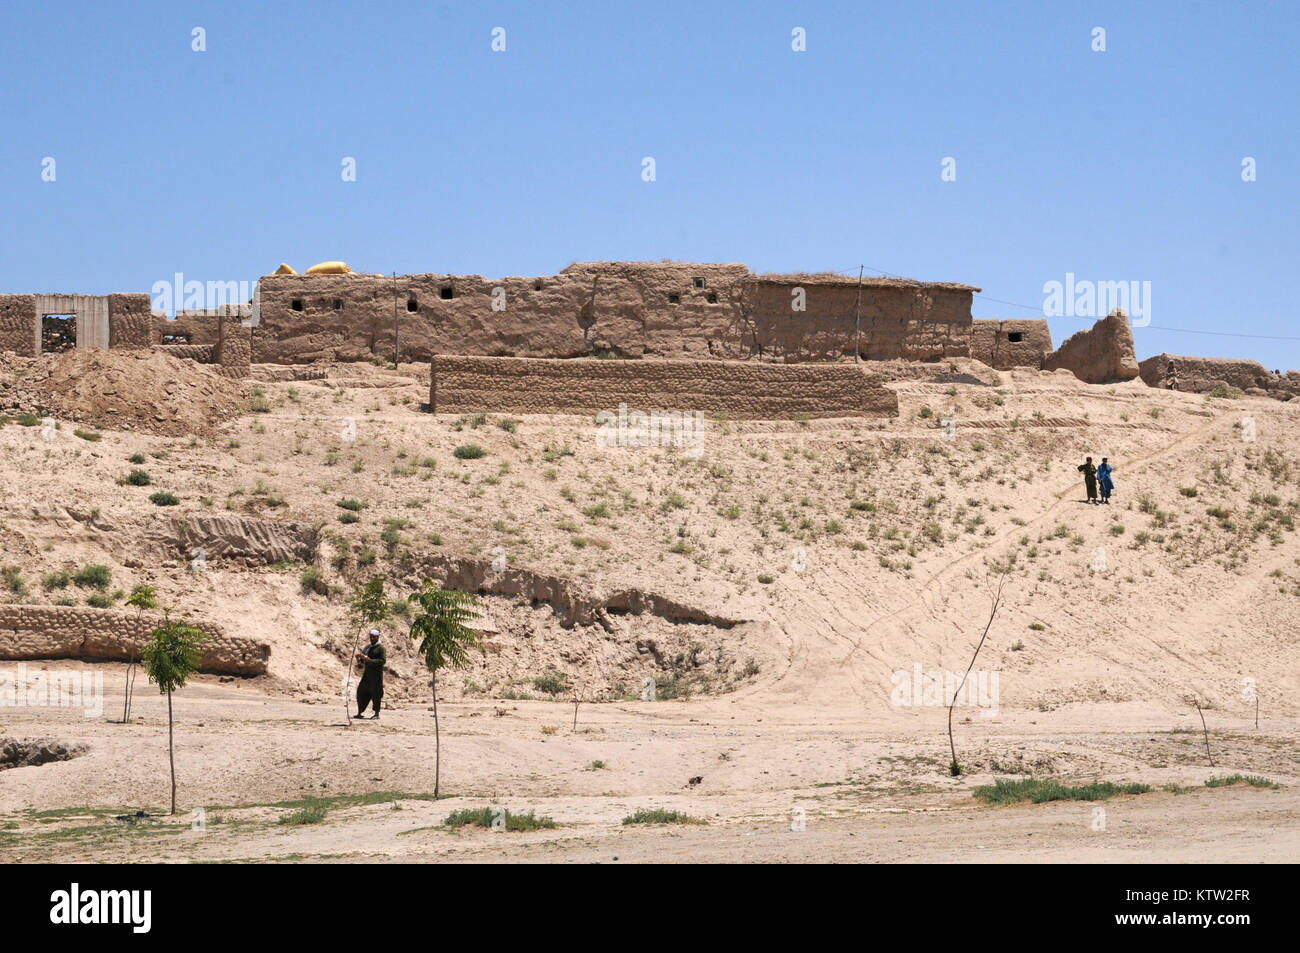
674	299
296	304
537	285
411	305
175	339
338	304
1015	337
445	293
712	298
58	333
698	282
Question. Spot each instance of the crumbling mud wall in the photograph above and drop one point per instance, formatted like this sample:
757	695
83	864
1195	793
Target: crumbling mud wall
244	539
130	321
898	318
234	348
743	389
195	327
1102	354
1199	374
19	326
55	632
674	310
1016	342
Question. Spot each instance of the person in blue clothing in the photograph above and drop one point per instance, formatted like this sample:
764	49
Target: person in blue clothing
1104	481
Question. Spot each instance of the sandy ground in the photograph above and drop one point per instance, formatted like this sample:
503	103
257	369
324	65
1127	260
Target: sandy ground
846	551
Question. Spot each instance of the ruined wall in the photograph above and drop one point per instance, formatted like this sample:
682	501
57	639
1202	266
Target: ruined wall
899	319
199	326
991	342
1199	374
1102	354
54	632
735	388
130	321
234	348
629	309
203	353
19	326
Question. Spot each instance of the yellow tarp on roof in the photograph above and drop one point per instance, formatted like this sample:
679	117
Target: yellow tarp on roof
329	268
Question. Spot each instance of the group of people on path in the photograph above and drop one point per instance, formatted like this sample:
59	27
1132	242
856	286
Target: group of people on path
1098	477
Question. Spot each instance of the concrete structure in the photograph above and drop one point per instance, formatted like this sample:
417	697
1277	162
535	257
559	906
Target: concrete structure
116	320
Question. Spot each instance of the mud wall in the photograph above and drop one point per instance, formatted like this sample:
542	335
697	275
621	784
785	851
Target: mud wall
130	321
746	389
1198	374
19	328
627	309
233	352
199	326
1012	343
53	632
899	319
1103	354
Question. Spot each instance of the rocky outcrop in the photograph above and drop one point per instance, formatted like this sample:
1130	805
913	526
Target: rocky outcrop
1103	354
746	389
251	541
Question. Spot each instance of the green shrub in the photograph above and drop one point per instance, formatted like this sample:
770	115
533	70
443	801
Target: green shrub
313	580
469	451
58	579
137	478
164	498
552	683
100	600
661	816
765	579
14	580
484	816
351	504
1039	791
93	577
349	517
136	458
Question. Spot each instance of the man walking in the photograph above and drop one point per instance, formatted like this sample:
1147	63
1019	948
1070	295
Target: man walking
370	690
1089	479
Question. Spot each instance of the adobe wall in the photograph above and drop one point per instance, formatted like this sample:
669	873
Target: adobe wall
54	632
991	344
672	310
200	326
19	328
899	319
130	321
1102	354
1199	374
234	348
746	389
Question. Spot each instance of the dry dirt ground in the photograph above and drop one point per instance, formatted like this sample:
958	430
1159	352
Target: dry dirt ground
825	565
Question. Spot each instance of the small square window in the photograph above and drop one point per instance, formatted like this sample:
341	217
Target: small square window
1015	337
674	299
712	298
698	282
338	304
537	285
296	304
411	305
445	293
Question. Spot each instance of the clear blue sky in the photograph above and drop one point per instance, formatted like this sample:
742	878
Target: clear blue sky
1122	165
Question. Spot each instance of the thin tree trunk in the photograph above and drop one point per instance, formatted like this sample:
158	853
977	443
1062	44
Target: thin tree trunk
126	689
1207	734
437	740
347	682
955	768
171	750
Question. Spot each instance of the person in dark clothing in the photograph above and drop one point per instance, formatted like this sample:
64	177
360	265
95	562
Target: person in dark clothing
1104	481
370	690
1089	479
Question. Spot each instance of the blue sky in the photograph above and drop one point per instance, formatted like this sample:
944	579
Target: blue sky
1115	166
